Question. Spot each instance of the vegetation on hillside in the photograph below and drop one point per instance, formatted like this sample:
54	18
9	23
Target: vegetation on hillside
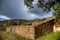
14	22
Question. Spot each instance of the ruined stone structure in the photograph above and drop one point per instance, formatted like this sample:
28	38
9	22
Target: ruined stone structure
25	31
57	26
34	29
44	28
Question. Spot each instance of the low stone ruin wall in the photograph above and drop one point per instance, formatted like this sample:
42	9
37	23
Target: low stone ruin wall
25	31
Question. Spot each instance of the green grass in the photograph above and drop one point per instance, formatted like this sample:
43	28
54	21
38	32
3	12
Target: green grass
10	36
51	36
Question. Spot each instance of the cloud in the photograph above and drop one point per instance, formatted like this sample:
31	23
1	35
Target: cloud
4	17
17	9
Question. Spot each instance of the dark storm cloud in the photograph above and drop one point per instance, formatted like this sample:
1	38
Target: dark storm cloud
17	9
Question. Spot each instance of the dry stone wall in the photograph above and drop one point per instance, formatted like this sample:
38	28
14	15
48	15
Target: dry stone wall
25	31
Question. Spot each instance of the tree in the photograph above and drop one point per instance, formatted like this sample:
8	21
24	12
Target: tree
46	5
28	3
56	12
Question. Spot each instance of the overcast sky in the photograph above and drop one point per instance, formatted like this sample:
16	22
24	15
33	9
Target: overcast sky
16	9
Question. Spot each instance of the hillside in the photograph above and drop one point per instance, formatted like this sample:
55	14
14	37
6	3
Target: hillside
12	22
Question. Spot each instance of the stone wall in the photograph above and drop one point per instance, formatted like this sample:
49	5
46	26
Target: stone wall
33	30
25	31
57	26
44	28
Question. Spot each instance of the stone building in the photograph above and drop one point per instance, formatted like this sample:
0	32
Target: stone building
34	29
31	30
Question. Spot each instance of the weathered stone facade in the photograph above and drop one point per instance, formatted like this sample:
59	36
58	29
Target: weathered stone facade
57	26
44	28
25	31
35	30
